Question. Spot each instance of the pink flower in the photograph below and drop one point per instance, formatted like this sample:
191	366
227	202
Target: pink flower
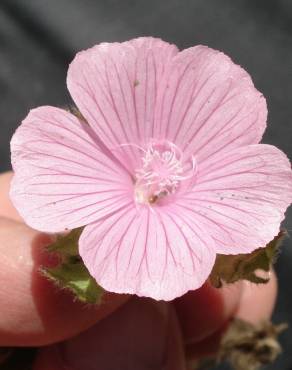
165	172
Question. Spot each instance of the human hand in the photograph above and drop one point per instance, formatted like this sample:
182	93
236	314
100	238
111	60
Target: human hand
123	332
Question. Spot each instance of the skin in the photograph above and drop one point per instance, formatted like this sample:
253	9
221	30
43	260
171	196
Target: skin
124	332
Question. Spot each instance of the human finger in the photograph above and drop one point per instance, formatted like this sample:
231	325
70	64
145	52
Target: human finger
258	301
202	312
33	310
6	207
255	305
143	334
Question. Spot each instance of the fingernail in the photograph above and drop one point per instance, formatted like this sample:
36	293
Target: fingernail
258	300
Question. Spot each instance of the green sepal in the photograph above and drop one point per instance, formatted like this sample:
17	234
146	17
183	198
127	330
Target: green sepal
67	245
76	278
232	268
71	272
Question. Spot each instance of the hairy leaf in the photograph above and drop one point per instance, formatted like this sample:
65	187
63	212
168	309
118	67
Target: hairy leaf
71	273
232	268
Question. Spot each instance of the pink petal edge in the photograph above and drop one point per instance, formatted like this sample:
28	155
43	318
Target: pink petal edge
241	197
144	88
115	85
151	253
62	179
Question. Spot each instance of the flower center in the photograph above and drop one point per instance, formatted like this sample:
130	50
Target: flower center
162	172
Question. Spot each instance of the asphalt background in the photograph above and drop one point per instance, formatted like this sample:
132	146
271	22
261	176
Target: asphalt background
38	38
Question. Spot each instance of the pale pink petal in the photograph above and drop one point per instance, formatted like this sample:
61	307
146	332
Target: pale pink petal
115	86
148	252
207	104
62	178
240	197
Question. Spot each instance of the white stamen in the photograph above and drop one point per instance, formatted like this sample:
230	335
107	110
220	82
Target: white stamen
162	172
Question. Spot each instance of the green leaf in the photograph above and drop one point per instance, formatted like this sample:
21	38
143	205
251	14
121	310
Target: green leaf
232	268
71	273
76	278
67	245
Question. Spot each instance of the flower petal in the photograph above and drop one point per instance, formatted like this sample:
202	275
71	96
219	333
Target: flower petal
148	252
62	179
240	197
142	89
115	86
207	104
